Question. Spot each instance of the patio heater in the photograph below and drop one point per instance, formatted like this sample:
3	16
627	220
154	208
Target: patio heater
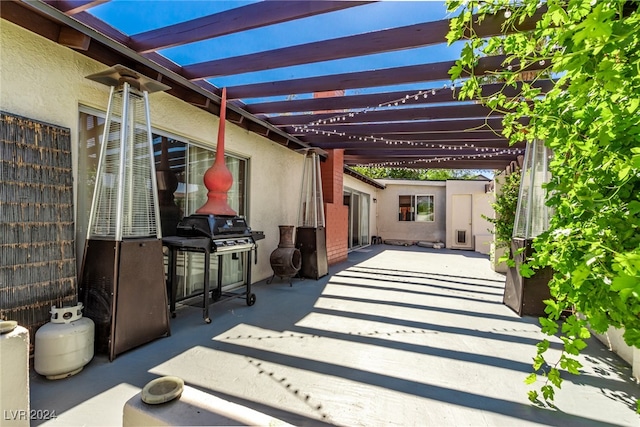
526	295
122	284
311	233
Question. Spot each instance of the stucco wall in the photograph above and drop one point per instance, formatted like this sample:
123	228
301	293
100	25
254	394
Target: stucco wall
480	205
389	227
614	341
42	80
481	227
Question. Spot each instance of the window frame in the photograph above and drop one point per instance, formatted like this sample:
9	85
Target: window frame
408	207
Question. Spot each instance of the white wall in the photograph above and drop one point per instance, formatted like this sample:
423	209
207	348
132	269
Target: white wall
391	228
498	252
42	80
613	339
481	227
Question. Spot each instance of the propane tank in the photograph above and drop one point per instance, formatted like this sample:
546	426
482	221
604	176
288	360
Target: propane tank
64	345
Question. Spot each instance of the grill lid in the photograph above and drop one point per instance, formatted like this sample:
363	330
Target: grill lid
198	225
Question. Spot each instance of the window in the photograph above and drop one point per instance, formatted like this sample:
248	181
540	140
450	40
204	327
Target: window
416	208
180	166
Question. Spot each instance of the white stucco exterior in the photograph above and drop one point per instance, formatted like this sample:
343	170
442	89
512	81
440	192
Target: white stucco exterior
391	228
446	217
481	237
45	81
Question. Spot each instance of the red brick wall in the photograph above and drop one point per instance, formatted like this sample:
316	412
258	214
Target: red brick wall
336	214
337	218
332	170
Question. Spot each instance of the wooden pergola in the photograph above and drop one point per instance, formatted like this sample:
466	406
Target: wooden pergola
423	128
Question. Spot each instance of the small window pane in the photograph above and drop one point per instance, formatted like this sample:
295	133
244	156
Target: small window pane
424	208
406	208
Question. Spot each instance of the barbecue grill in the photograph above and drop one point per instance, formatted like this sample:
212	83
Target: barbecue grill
218	235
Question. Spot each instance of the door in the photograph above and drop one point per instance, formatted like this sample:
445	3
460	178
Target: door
461	220
358	217
354	218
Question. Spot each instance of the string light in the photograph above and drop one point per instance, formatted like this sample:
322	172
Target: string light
508	151
479	152
392	103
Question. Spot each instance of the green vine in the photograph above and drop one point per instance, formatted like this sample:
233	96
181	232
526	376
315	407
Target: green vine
590	118
505	206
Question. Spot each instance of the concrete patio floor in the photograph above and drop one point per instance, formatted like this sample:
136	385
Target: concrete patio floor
394	336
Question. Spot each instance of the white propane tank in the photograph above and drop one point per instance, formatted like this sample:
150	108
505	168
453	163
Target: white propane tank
64	345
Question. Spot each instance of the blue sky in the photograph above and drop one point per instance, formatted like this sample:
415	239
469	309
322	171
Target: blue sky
132	17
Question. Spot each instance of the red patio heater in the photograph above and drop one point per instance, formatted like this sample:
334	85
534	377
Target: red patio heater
122	284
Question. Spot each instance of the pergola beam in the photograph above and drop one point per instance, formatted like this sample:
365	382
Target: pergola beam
401	38
72	7
233	21
438	71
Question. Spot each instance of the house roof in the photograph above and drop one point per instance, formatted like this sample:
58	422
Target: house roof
396	113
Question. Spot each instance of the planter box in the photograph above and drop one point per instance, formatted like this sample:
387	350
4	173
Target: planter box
613	339
496	254
523	295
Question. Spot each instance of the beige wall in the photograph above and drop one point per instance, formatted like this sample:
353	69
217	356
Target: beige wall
388	225
42	80
480	205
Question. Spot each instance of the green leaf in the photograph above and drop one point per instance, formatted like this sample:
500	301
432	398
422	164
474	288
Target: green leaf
549	327
543	345
554	377
623	282
634	207
553	309
547	392
538	361
531	378
526	270
624	172
570	365
456	70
